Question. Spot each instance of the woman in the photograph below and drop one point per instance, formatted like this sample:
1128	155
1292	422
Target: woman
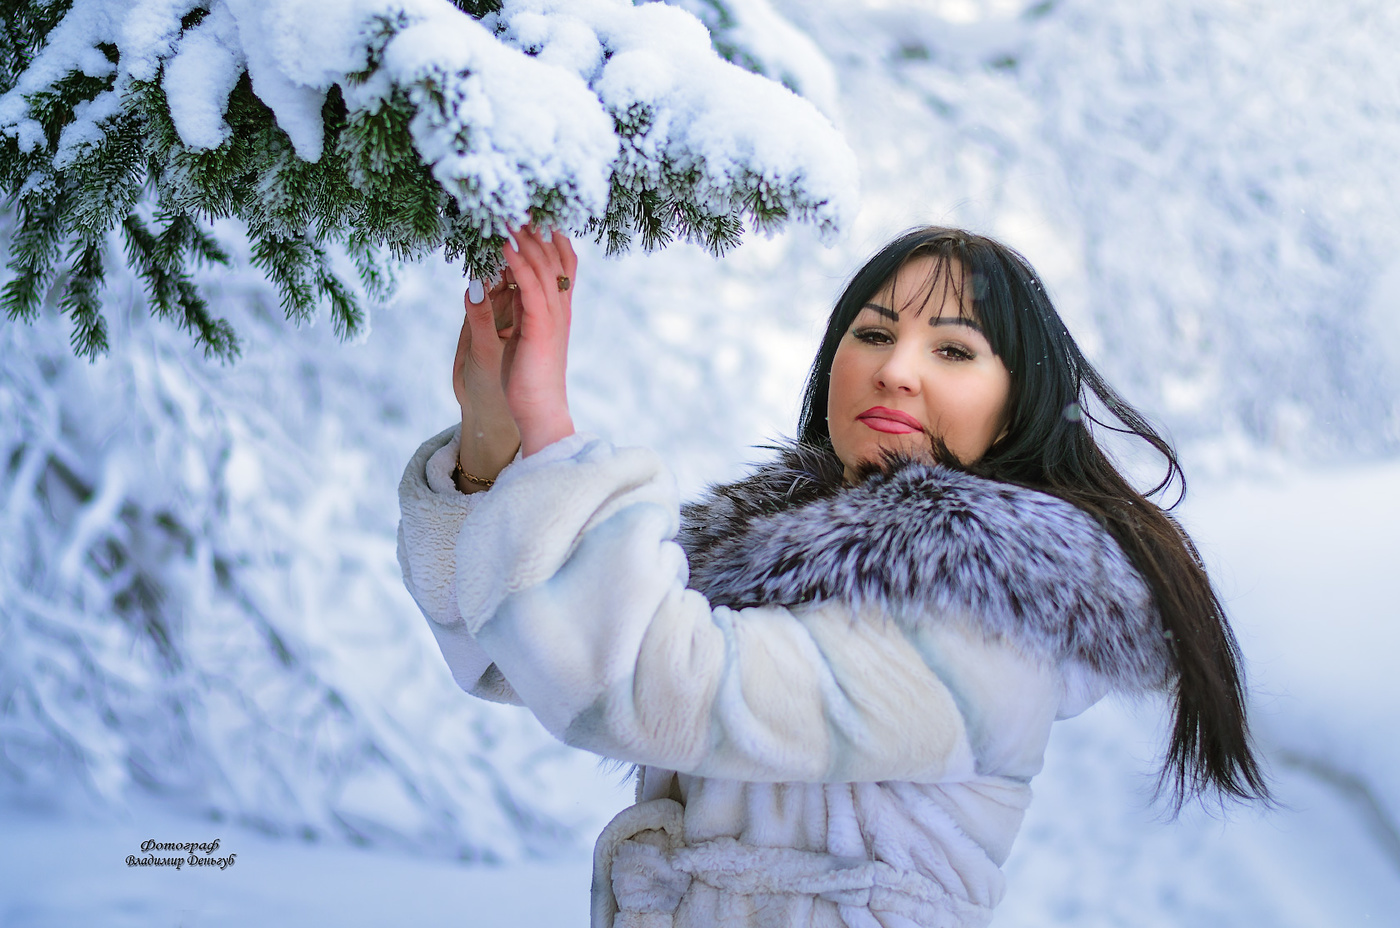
840	680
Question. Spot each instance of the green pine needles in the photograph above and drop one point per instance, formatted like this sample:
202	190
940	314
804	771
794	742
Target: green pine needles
95	162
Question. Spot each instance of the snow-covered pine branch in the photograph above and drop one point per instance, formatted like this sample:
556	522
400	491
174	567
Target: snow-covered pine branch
752	34
378	129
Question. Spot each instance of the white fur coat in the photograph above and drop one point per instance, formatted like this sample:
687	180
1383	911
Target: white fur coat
838	695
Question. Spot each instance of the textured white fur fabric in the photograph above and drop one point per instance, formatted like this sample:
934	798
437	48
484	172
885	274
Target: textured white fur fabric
851	760
431	514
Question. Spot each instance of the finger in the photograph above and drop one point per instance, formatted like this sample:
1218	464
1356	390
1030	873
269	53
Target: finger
544	261
509	347
567	259
531	307
536	305
464	338
562	264
545	308
481	320
516	262
517	310
527	274
459	362
503	295
544	258
560	258
556	245
517	306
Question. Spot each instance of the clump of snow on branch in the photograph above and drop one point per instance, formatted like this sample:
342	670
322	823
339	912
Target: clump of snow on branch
502	130
751	33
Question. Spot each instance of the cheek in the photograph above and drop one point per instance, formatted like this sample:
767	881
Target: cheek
975	418
839	384
842	395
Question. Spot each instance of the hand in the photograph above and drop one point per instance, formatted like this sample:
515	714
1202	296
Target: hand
489	435
535	356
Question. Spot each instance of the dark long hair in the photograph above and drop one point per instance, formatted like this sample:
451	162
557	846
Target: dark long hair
1048	446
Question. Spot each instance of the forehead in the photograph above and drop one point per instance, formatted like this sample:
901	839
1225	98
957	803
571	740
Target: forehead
929	283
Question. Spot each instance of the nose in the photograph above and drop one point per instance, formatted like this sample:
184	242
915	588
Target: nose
900	372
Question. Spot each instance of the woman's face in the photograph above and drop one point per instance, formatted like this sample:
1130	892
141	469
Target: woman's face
914	361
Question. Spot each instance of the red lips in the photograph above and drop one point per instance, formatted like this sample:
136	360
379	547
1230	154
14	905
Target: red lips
893	421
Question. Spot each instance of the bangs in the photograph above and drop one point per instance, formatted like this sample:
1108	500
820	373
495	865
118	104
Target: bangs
976	280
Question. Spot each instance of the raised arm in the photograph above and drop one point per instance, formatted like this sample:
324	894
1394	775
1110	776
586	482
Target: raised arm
569	578
508	378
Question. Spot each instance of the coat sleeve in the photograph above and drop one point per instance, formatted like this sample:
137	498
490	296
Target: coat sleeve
568	577
431	512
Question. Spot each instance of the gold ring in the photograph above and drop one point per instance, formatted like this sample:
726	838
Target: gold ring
563	282
510	286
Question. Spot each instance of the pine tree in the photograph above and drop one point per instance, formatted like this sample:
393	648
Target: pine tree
186	545
381	131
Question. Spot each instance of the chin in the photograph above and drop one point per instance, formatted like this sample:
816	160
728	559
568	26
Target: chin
914	445
875	452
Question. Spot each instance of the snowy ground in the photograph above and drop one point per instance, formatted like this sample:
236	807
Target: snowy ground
73	874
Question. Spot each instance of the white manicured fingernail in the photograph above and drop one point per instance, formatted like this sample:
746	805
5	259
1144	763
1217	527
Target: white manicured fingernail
546	234
475	292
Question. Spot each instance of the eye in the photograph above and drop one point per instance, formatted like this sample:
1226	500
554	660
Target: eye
872	336
955	352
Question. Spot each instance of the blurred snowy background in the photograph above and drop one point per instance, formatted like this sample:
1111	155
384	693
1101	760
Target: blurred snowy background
203	631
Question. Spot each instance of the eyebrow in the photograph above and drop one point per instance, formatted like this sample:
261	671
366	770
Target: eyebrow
883	310
935	321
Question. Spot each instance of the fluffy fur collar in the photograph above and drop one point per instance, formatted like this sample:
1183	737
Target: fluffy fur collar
923	540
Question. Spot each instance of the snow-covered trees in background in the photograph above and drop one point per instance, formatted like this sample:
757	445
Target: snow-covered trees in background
1207	186
198	599
337	131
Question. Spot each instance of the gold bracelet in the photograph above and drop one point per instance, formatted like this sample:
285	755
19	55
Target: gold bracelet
482	482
